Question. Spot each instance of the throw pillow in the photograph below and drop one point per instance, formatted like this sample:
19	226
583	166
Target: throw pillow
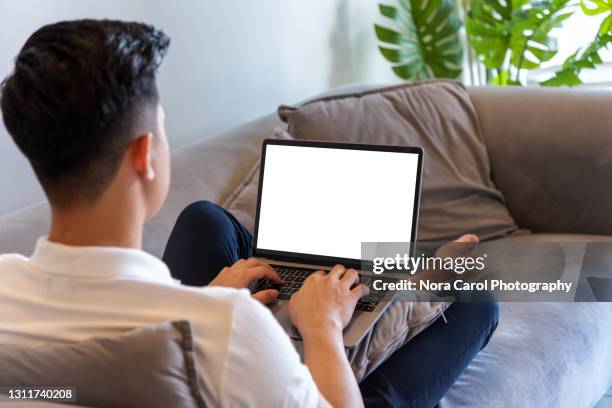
242	203
458	194
153	366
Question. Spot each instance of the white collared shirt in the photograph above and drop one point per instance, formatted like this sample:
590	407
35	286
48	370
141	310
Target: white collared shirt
66	294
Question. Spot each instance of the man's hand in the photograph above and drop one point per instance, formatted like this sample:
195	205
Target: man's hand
326	301
241	274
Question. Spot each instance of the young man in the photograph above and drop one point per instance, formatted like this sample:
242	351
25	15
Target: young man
82	105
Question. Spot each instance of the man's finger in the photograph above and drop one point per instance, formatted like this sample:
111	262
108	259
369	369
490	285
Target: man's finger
254	262
266	296
251	262
318	273
263	271
337	272
350	278
360	291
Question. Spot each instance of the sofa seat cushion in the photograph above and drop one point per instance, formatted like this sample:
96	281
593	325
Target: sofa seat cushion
458	194
543	354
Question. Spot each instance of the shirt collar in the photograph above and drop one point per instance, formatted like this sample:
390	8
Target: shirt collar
98	262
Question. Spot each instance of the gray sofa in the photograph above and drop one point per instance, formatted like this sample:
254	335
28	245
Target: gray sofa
551	158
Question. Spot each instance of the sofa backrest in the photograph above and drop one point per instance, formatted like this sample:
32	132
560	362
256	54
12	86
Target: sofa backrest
551	155
549	151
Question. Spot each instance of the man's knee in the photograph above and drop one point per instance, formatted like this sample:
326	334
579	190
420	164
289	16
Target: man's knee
203	215
490	306
480	315
487	314
197	208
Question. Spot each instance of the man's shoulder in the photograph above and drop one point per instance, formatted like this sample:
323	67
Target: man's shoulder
12	256
11	260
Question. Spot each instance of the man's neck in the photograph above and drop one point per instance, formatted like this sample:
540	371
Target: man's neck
102	225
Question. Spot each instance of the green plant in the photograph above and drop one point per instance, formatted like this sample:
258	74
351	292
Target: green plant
509	36
588	57
424	42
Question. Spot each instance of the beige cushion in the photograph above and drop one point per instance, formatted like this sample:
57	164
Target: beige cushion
458	194
153	366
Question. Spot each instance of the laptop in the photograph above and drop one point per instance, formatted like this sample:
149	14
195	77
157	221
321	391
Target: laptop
319	201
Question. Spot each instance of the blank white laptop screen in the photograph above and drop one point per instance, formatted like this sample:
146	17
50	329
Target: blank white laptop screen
327	201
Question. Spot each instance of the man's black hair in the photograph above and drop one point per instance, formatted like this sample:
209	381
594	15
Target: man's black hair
75	97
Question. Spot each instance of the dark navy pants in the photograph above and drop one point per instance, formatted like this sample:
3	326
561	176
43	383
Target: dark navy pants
206	238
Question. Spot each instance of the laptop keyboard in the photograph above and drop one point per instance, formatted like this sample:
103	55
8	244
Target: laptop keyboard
294	277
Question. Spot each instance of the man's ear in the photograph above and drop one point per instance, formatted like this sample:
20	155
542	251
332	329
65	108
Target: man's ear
141	150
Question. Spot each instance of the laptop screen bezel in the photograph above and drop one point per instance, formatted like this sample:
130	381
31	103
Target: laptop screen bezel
322	259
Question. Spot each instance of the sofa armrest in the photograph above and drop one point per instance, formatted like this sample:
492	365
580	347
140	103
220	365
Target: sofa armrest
551	155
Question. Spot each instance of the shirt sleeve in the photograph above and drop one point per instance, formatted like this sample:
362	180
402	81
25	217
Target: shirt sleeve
262	369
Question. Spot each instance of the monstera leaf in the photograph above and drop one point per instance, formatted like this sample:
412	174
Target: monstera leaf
587	58
424	42
488	25
530	42
599	7
511	35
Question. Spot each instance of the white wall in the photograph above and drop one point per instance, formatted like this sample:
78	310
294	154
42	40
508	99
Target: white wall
230	60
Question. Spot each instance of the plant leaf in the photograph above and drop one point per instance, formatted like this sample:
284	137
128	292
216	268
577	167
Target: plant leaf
501	79
487	25
605	25
391	54
387	11
563	78
588	58
515	32
387	35
600	7
424	39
